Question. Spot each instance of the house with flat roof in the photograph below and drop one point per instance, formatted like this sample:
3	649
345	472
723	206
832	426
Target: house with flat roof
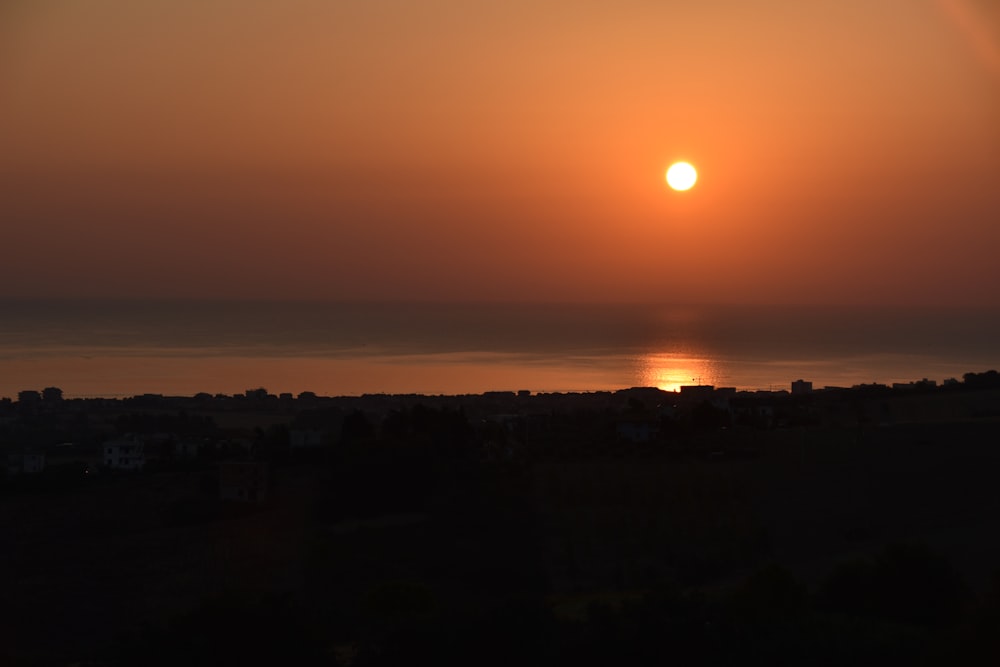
125	453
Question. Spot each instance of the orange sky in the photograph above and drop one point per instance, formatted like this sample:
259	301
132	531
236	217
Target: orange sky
849	150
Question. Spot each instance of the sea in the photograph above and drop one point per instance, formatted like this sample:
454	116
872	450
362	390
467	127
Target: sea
180	348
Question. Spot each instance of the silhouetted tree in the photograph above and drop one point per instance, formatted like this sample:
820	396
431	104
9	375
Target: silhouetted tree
987	380
272	443
907	583
707	415
233	629
356	428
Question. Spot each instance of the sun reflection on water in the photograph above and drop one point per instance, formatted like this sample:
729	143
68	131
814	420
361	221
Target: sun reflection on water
671	371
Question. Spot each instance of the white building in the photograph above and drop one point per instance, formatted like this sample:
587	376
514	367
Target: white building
637	430
125	453
187	448
26	462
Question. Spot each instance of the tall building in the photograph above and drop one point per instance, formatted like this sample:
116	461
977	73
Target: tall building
801	388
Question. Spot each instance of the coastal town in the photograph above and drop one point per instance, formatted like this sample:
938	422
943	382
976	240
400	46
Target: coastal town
369	529
42	431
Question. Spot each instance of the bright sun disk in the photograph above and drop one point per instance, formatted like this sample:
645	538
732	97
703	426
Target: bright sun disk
681	176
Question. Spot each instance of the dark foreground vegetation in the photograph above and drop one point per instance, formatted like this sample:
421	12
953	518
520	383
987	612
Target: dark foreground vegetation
633	528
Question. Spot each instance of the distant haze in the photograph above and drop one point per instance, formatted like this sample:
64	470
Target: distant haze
848	151
109	348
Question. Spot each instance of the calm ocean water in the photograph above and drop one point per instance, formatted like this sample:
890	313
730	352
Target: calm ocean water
101	348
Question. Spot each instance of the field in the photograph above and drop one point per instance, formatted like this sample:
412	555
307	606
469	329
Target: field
123	560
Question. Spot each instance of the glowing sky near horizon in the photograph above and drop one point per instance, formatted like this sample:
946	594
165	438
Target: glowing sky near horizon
848	152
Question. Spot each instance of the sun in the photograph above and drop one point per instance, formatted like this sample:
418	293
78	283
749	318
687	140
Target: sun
681	176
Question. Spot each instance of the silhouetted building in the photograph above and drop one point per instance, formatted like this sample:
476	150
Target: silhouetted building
801	388
697	392
919	384
52	394
28	396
